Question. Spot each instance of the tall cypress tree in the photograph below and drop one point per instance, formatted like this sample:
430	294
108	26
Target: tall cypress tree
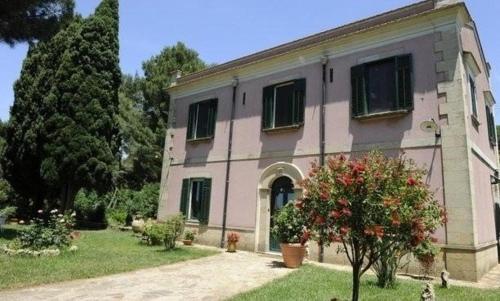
82	132
25	133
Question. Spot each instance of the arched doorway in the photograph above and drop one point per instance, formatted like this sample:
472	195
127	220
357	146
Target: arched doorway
281	193
269	179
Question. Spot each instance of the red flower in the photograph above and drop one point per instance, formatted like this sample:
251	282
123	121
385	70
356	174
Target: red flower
335	214
411	181
299	204
305	237
334	238
344	230
379	231
395	219
346	211
342	157
369	232
345	180
325	196
319	220
344	202
360	180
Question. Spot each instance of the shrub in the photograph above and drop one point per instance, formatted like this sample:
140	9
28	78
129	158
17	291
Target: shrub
369	205
8	211
289	225
426	254
174	226
45	234
154	233
90	210
117	217
189	235
142	202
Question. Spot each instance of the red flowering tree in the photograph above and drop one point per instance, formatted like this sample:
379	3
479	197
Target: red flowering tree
369	206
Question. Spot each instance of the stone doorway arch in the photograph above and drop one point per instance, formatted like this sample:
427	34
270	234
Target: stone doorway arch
267	178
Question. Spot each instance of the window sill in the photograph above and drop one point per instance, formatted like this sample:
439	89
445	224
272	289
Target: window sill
475	121
192	222
200	140
287	128
382	115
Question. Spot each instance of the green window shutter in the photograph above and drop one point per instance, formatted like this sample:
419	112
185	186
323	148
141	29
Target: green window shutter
191	121
491	125
268	107
358	91
205	203
404	95
212	117
185	196
298	100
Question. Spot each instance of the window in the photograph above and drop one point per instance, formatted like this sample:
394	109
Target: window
472	90
491	126
201	119
382	86
195	199
283	104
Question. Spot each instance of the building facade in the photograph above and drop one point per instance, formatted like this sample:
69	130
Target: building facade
242	134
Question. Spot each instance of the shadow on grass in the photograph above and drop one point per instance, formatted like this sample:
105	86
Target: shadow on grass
8	233
275	264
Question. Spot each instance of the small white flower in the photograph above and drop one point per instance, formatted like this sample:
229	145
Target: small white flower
40	211
53	211
73	248
73	214
59	215
62	220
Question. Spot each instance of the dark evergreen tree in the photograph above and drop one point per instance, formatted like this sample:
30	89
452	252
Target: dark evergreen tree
25	133
82	131
28	20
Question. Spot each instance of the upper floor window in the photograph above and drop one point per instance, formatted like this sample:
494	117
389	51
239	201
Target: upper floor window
201	119
490	119
382	86
195	199
473	95
283	104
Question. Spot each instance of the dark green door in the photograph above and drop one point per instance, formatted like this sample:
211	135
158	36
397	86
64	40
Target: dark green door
281	193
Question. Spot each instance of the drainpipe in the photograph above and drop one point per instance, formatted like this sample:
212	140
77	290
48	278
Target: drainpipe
324	61
228	164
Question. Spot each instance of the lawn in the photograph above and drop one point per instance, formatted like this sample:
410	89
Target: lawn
100	253
316	283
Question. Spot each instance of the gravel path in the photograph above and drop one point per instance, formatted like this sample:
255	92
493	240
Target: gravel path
211	278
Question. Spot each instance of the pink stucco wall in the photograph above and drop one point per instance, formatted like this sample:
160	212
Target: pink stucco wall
483	200
252	147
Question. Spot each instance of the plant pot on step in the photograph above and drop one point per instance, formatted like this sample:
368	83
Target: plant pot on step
232	239
293	254
187	242
231	247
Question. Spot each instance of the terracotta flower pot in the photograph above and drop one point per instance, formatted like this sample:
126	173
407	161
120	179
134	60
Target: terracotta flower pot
293	254
231	246
187	242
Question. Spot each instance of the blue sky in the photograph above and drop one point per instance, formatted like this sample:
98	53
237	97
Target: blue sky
221	30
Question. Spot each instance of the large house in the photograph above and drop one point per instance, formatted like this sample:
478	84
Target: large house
242	134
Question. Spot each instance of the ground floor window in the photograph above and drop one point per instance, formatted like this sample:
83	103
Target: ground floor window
195	199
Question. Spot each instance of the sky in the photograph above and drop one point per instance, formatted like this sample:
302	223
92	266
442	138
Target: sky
221	30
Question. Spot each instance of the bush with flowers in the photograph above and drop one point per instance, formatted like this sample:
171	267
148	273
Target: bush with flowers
369	205
45	236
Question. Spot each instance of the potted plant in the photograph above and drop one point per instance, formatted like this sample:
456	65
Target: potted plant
138	224
289	230
5	213
232	239
188	238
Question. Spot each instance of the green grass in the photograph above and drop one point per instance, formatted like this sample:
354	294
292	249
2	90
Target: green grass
100	253
316	283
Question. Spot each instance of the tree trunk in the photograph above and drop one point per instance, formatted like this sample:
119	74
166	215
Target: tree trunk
356	271
68	195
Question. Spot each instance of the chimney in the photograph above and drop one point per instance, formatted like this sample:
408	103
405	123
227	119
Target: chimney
174	76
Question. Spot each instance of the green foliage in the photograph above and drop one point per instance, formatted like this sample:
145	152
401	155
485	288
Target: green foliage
174	226
8	211
373	205
189	235
30	20
62	134
142	202
44	234
289	224
90	210
116	217
154	233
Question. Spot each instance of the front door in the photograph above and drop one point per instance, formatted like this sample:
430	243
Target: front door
281	193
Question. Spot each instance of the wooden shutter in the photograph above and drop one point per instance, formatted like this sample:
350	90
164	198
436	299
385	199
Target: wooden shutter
212	117
358	91
185	196
404	95
205	201
491	125
268	107
298	101
191	121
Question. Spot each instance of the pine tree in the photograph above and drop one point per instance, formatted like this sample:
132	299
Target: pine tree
82	132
